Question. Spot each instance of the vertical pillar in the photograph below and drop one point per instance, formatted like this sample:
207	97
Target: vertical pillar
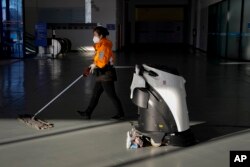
88	13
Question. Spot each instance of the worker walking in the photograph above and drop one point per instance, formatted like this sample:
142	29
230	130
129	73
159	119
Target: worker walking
102	68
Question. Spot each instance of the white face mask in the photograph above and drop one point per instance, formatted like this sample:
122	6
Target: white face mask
96	39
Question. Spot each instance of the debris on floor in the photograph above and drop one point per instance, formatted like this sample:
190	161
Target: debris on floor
134	140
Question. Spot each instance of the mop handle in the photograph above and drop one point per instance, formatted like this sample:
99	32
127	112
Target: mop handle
56	97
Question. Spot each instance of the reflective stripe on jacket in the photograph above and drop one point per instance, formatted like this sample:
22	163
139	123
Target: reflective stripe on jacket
104	54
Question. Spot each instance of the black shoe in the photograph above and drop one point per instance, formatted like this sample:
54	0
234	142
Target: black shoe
85	114
118	117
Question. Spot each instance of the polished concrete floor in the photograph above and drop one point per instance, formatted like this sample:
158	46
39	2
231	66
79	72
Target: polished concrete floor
218	94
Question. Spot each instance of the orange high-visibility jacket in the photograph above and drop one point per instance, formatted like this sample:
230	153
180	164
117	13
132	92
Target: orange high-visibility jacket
104	53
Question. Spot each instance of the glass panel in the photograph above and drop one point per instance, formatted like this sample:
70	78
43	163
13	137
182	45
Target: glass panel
234	23
1	26
246	31
212	30
12	31
4	10
159	24
222	22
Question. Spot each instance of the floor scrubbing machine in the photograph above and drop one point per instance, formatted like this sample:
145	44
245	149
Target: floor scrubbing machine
159	92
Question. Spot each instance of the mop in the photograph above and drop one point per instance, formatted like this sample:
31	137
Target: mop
39	124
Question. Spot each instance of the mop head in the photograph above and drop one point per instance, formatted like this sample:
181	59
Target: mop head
35	123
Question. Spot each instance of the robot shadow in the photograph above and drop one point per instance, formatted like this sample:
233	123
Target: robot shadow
207	131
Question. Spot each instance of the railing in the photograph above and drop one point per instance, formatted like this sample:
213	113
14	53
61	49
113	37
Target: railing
30	48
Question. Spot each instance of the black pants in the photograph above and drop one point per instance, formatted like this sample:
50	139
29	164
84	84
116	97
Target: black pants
109	88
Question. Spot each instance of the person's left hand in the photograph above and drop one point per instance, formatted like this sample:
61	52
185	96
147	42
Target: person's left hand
92	68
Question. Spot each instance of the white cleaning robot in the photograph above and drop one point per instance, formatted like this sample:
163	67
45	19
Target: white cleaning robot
159	92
